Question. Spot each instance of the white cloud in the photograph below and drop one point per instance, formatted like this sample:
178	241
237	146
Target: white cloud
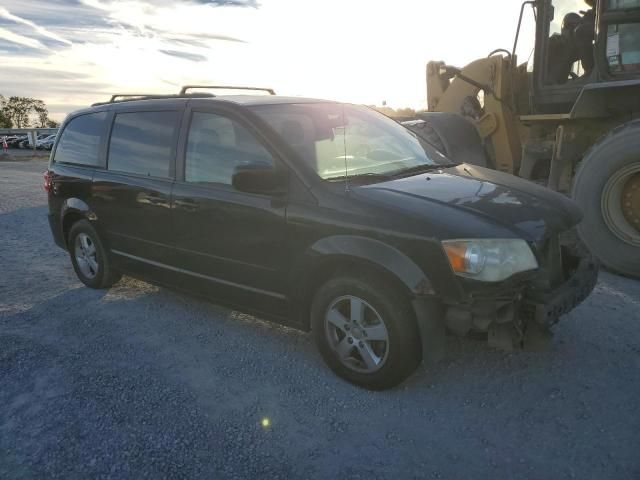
19	39
4	13
356	50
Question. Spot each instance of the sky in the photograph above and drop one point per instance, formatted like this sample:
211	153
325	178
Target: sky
71	53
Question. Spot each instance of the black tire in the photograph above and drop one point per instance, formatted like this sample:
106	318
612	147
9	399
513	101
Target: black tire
105	275
394	308
620	149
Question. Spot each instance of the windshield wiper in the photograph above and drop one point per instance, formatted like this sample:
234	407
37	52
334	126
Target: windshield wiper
369	176
422	169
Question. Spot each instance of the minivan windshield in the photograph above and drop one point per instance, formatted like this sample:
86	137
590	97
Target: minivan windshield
338	140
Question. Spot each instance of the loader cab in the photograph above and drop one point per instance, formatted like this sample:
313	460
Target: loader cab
582	42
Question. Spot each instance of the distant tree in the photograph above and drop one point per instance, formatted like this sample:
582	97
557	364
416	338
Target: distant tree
5	122
42	114
405	112
390	112
17	110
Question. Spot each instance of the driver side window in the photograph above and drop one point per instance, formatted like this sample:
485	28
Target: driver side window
216	145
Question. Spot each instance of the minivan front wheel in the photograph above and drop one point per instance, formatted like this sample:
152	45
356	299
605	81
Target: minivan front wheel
366	331
357	334
89	257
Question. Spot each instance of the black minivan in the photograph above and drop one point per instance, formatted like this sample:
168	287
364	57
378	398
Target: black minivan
325	216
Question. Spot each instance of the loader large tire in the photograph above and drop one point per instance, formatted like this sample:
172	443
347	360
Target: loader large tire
607	188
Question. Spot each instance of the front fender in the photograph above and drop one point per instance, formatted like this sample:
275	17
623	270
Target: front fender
391	260
374	252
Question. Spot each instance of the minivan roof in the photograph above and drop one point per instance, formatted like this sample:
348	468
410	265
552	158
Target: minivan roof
265	99
238	99
154	101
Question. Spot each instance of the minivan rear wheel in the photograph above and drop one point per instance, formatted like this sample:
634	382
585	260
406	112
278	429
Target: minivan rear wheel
89	257
366	331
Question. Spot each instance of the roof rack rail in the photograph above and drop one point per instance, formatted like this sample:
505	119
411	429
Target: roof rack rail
184	89
131	97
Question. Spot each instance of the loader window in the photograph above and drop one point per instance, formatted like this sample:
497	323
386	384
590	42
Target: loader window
622	4
570	47
623	47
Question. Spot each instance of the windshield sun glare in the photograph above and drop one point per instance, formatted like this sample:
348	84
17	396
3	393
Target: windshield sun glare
338	140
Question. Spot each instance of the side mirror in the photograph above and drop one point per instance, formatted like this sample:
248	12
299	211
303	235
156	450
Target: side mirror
259	178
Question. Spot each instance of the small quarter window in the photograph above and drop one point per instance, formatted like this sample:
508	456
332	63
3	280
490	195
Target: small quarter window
143	143
216	146
623	47
80	140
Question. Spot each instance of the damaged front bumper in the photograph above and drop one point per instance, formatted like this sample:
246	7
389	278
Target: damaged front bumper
546	307
514	313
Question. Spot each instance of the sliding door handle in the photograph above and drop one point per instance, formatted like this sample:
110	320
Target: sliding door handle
186	204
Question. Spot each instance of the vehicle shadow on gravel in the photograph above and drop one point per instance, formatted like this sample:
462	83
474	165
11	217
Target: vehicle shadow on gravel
100	384
142	382
140	358
207	345
174	326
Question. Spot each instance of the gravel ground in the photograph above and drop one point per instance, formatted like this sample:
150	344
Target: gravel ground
23	154
142	382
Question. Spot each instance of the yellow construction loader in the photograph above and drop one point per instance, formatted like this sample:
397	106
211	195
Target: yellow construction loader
568	118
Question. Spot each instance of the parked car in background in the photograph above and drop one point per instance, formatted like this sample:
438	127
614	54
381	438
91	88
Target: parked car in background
46	143
321	215
13	141
27	141
9	139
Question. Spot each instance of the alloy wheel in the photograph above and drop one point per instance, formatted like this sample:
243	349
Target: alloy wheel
357	333
86	256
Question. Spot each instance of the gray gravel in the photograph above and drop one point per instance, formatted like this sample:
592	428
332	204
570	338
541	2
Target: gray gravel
142	382
22	154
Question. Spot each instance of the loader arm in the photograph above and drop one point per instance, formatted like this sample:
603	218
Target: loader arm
456	91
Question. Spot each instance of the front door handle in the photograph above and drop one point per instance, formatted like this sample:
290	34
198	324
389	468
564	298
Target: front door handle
187	204
153	198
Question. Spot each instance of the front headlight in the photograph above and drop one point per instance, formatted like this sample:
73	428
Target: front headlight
489	260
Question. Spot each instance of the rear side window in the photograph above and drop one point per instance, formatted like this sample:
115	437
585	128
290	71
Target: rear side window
216	146
80	140
143	143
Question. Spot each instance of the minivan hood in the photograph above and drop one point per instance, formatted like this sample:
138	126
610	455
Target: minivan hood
530	210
